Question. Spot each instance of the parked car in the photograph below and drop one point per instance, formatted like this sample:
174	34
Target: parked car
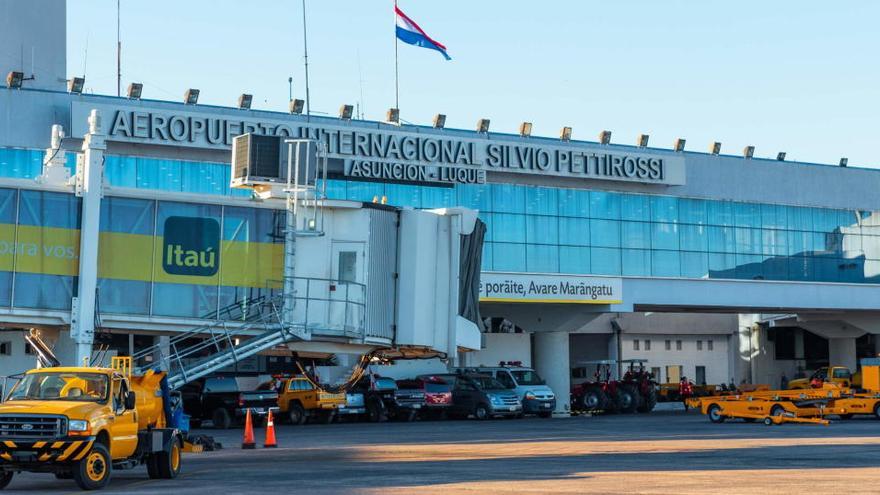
480	396
384	401
532	390
438	395
220	400
354	406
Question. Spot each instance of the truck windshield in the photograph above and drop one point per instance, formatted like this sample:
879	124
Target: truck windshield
527	377
385	383
79	387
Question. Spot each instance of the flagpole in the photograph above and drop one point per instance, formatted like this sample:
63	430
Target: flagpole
396	71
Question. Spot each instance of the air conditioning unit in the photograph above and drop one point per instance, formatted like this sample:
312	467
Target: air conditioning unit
265	160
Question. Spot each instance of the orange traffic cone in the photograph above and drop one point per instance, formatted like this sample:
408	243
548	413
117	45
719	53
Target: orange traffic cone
248	441
270	432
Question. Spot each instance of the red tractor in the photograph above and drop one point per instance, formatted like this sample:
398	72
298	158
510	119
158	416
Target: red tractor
603	393
643	381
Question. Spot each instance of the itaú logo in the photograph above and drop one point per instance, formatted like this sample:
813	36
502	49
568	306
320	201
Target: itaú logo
191	246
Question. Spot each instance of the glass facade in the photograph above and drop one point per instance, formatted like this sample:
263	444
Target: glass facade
543	229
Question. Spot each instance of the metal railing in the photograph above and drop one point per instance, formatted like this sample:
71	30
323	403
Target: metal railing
324	306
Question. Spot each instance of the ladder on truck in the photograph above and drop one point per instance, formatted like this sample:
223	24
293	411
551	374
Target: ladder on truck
202	350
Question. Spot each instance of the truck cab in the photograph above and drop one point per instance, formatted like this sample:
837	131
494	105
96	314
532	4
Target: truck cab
300	400
532	390
82	423
840	375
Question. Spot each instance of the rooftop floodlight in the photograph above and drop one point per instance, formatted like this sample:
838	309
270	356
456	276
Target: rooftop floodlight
525	129
191	97
844	162
439	121
715	148
679	144
345	112
780	156
393	116
748	152
565	133
296	106
483	125
244	101
75	85
643	140
605	137
135	90
14	79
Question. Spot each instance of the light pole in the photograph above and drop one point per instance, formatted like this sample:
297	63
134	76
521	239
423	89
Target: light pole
290	89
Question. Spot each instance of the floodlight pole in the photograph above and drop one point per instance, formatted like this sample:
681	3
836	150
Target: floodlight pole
118	54
306	59
396	76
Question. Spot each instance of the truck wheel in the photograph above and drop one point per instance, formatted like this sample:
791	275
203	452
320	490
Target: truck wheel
221	419
481	412
5	478
714	414
627	399
168	461
375	412
328	417
296	415
94	470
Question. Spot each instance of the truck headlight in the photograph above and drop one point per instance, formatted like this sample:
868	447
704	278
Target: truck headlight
78	425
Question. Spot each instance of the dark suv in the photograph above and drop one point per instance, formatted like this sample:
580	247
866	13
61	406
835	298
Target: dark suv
437	393
383	400
481	396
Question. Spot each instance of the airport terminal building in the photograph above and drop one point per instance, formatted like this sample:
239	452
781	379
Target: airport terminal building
580	234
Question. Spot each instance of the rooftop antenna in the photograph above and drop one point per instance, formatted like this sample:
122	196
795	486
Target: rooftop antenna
361	82
306	60
86	55
118	54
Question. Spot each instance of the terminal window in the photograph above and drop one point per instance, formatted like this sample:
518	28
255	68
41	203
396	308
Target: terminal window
668	345
677	345
699	345
6	348
710	345
635	345
647	345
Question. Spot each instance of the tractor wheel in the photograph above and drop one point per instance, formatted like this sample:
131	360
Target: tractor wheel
715	415
627	399
649	400
594	399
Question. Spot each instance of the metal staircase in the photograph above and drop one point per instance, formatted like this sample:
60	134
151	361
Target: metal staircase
205	349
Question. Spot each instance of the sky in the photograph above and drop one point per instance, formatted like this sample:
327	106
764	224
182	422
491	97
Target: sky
794	76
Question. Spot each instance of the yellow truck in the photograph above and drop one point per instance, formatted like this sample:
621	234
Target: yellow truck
83	423
841	375
299	401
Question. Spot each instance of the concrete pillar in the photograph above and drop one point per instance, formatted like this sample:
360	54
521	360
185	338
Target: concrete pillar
552	363
89	186
842	352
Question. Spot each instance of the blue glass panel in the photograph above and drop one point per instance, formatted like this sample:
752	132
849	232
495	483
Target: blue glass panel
692	211
604	205
665	264
825	220
486	263
749	267
747	214
871	246
120	171
635	207
487	219
576	231
204	178
575	260
542	230
541	258
721	265
474	196
847	218
694	265
776	268
508	198
403	195
694	237
720	213
185	300
437	197
636	235
721	239
7	245
664	209
43	291
774	216
775	242
664	236
636	262
127	215
605	233
7	205
800	218
574	203
49	209
5	289
336	189
605	261
20	164
153	173
365	191
507	227
508	257
748	241
123	296
253	224
800	268
542	200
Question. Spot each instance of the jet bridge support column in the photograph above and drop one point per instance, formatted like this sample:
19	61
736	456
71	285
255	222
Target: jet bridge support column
552	363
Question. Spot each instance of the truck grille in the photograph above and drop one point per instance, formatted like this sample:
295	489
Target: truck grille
20	426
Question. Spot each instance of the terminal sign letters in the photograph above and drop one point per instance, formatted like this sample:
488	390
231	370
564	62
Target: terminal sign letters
524	288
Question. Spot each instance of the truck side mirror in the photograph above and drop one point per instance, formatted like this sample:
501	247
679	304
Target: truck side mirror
130	400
